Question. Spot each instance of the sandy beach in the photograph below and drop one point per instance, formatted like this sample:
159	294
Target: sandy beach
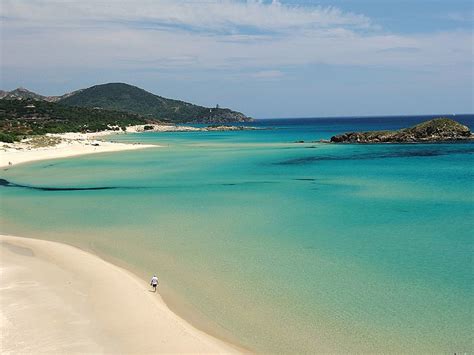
57	298
61	146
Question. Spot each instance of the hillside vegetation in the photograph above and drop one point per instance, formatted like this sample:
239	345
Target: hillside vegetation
128	98
32	117
23	112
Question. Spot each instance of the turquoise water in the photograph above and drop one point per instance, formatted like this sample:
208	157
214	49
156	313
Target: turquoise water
276	245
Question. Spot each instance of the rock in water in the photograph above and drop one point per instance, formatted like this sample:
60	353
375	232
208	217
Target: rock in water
436	130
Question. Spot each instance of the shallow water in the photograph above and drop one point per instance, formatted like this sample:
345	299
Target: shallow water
278	245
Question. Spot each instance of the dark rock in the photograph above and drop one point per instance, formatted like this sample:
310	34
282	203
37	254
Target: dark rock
436	130
229	128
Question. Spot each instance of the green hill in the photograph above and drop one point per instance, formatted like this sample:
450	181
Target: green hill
128	98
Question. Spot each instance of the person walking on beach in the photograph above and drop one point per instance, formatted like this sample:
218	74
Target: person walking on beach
154	282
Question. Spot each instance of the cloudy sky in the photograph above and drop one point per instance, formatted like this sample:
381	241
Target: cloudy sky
265	58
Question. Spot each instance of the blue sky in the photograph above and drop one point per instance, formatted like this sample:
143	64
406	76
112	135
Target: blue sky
264	58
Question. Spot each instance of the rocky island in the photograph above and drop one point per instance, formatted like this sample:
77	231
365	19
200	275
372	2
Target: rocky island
436	130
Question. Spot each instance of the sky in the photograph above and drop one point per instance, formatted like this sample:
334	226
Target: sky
268	59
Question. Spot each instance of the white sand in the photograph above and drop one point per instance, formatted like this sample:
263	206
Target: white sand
57	298
71	144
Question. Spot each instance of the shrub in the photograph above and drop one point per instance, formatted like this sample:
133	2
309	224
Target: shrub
7	138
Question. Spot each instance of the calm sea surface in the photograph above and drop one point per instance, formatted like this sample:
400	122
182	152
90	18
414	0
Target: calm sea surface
276	245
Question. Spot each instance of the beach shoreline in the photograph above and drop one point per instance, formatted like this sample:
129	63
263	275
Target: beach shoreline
56	297
64	145
69	145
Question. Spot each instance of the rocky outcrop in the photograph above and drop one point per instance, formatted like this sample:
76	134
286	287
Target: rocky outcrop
224	116
229	128
174	128
20	94
436	130
25	94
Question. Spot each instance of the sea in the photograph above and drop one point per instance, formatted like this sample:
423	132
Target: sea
274	245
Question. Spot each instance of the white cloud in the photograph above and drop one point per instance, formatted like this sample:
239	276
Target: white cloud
208	34
226	15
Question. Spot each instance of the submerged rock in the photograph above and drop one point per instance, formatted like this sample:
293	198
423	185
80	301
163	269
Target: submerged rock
436	130
229	128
